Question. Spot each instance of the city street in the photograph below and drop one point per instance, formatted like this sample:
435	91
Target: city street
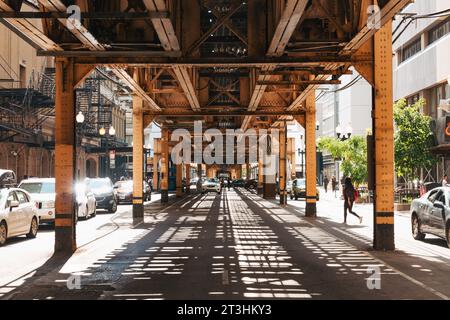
235	245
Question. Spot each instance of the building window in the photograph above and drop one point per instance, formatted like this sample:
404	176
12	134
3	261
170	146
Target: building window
410	50
439	31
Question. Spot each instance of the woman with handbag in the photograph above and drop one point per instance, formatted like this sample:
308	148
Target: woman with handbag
350	195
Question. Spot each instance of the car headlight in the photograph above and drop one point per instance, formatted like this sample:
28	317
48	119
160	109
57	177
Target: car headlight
48	204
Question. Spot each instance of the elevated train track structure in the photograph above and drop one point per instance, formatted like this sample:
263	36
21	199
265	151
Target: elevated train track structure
251	64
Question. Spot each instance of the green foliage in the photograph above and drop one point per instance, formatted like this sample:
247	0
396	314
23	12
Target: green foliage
412	139
352	152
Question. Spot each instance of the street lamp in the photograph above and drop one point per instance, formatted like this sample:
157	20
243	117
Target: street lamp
80	118
111	133
344	133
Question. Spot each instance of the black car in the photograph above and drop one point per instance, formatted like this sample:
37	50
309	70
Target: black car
104	193
251	184
238	183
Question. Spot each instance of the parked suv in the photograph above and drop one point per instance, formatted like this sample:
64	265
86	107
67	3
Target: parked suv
104	193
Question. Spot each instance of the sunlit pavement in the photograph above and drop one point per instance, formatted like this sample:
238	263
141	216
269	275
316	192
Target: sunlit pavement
233	246
21	257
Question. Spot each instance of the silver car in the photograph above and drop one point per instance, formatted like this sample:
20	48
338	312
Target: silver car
431	214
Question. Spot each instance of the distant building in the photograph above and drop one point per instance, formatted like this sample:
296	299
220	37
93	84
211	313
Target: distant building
348	105
422	70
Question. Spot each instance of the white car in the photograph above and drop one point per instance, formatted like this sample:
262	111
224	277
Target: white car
211	185
42	191
86	203
18	214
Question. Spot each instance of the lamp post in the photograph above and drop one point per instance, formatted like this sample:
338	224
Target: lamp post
111	133
80	121
344	133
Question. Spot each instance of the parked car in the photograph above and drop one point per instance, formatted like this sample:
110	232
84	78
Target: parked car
124	191
194	181
238	183
430	214
211	185
289	187
86	203
104	193
18	214
299	190
7	178
42	191
251	184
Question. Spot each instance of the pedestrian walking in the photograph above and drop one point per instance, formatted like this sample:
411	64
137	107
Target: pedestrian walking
350	195
333	185
325	183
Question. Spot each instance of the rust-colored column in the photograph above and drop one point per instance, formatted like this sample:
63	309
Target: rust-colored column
384	141
179	180
188	178
282	165
138	159
165	166
311	169
65	233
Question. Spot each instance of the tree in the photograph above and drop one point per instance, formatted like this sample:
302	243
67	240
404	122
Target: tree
413	139
352	152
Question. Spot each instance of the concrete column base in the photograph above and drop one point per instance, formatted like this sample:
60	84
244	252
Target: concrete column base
138	213
164	196
384	235
270	191
311	210
283	199
66	242
260	190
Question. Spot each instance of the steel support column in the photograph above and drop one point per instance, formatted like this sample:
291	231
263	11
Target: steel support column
179	180
165	166
188	178
384	141
260	176
310	133
138	158
282	165
65	233
270	188
199	176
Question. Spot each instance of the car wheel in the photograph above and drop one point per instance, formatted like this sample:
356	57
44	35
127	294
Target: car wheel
3	233
415	224
33	229
113	208
296	197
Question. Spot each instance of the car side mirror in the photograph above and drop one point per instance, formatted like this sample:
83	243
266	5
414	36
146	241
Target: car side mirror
14	204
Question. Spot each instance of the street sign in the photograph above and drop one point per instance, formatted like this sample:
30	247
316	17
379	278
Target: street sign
447	128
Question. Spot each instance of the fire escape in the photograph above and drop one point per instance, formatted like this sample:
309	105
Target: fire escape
23	111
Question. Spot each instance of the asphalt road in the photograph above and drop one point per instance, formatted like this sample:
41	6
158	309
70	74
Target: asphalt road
235	246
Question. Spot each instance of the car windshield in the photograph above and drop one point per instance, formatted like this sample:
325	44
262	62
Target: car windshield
301	183
212	180
38	187
99	183
124	184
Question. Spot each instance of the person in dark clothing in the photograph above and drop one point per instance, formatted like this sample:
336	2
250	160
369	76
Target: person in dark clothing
349	199
325	183
333	185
